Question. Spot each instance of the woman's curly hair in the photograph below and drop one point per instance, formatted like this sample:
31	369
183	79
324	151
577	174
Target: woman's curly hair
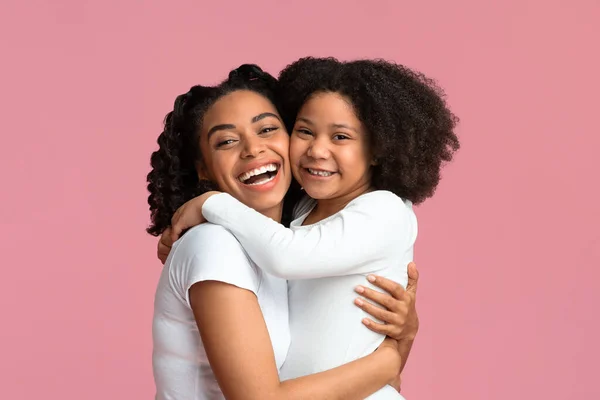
173	179
410	128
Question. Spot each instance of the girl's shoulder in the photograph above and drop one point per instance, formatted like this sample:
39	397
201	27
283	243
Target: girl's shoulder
304	206
381	200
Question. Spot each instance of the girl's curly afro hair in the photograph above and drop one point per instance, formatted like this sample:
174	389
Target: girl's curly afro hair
410	128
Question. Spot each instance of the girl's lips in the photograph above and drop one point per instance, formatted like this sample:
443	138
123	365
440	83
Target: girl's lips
323	176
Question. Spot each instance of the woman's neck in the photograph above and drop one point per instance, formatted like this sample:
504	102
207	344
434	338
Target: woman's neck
274	212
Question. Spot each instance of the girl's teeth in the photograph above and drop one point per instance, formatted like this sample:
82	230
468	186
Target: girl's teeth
319	173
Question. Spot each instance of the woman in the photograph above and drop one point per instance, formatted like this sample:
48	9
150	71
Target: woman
369	139
216	314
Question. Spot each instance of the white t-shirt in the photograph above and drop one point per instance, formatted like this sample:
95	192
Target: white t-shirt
374	233
206	252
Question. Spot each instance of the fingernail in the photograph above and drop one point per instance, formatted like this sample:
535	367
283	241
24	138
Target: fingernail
358	302
366	322
371	278
359	289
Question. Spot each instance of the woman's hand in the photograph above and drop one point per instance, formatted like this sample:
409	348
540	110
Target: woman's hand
391	345
399	315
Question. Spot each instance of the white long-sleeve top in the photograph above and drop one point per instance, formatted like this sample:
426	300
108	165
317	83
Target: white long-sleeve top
324	262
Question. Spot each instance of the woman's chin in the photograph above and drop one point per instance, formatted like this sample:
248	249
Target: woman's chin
262	200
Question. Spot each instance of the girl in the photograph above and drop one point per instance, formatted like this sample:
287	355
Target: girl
220	325
368	141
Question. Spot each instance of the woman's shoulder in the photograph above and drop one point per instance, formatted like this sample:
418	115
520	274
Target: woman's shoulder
207	232
211	252
210	241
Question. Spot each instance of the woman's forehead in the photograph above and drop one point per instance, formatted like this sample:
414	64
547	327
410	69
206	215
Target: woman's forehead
240	106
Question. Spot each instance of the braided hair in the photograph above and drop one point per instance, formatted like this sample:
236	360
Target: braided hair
173	179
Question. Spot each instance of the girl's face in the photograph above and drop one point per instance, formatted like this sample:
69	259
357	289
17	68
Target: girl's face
329	150
245	149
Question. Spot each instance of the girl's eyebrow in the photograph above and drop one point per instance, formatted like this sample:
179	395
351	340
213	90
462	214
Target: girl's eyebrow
334	125
343	126
304	119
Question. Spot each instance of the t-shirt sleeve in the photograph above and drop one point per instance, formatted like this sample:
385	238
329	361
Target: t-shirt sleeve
370	228
209	252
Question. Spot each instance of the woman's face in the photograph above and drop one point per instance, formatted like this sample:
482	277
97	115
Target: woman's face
245	149
329	150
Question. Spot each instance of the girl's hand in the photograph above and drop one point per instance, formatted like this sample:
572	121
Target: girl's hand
188	215
399	314
164	245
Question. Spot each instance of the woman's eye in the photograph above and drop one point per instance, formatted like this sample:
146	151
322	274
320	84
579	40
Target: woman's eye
225	142
269	129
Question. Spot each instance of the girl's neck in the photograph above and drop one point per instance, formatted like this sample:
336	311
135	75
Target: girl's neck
325	208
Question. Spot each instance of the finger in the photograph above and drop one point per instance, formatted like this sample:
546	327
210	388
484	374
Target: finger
163	249
176	230
163	257
377	327
377	312
166	239
162	252
380	298
176	226
393	288
413	277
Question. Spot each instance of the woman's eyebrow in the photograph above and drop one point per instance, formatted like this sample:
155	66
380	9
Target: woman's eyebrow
265	115
222	127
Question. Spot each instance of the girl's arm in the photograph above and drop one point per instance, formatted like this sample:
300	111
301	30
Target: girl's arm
369	228
239	350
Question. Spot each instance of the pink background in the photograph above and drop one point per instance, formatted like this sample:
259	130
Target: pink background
508	248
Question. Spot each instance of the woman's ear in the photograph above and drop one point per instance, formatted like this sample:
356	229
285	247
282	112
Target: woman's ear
202	171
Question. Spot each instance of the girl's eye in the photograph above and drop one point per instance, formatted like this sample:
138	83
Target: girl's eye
225	142
303	131
340	137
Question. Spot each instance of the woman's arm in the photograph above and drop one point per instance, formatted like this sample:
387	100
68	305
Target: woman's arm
368	229
397	310
239	350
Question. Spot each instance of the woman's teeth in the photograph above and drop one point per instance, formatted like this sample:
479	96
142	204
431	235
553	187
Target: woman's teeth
319	172
262	180
266	170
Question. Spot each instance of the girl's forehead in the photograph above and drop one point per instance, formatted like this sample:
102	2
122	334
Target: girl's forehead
329	108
